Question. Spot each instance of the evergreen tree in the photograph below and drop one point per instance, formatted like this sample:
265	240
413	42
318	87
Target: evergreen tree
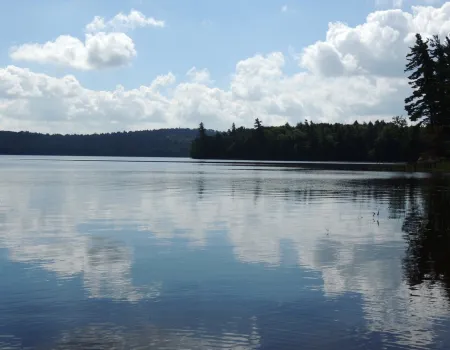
421	104
442	76
447	117
258	124
202	131
233	129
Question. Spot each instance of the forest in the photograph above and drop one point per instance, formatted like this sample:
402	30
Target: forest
426	134
308	141
150	143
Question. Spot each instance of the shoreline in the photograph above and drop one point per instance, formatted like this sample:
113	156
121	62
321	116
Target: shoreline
440	167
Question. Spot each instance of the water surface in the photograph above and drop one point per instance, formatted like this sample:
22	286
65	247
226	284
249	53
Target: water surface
180	254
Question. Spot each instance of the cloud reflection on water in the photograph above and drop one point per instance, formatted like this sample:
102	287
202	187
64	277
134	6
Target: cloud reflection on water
327	219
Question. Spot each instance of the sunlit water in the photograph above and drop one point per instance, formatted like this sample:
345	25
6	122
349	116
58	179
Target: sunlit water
181	255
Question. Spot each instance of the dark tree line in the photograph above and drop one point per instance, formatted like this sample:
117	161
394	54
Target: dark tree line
151	143
308	141
428	109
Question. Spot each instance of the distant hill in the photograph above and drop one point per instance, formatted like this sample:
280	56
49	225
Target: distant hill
148	143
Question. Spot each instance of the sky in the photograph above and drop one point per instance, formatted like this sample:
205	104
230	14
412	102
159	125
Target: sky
79	66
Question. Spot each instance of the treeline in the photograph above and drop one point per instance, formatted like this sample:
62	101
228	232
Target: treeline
428	108
308	141
150	143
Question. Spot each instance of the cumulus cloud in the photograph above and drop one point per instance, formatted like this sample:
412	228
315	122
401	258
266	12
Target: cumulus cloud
377	47
105	45
355	73
122	22
201	76
101	50
258	88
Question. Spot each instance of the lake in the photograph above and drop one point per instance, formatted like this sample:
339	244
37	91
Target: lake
176	254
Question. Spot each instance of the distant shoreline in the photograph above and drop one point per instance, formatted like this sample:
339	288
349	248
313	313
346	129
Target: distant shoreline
441	167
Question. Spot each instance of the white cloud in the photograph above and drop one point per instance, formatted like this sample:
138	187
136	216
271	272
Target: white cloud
258	88
105	45
377	47
355	73
284	8
98	51
200	76
122	22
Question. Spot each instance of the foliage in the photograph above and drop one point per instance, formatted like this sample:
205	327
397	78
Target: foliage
379	141
429	104
421	104
150	143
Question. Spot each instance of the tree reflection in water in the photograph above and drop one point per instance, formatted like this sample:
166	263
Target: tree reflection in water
427	233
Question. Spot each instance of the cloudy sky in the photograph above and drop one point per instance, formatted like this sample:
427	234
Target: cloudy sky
98	66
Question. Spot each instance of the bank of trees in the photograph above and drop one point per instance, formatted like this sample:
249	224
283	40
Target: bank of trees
151	143
308	141
428	109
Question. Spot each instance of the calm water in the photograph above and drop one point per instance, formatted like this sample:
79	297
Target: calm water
145	255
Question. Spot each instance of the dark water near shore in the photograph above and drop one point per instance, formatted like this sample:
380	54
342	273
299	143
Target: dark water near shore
175	255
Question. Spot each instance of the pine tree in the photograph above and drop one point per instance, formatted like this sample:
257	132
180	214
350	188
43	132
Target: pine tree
446	47
202	130
442	76
421	104
258	124
447	117
199	147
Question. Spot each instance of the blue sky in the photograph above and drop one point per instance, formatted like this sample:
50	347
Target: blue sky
201	33
212	35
